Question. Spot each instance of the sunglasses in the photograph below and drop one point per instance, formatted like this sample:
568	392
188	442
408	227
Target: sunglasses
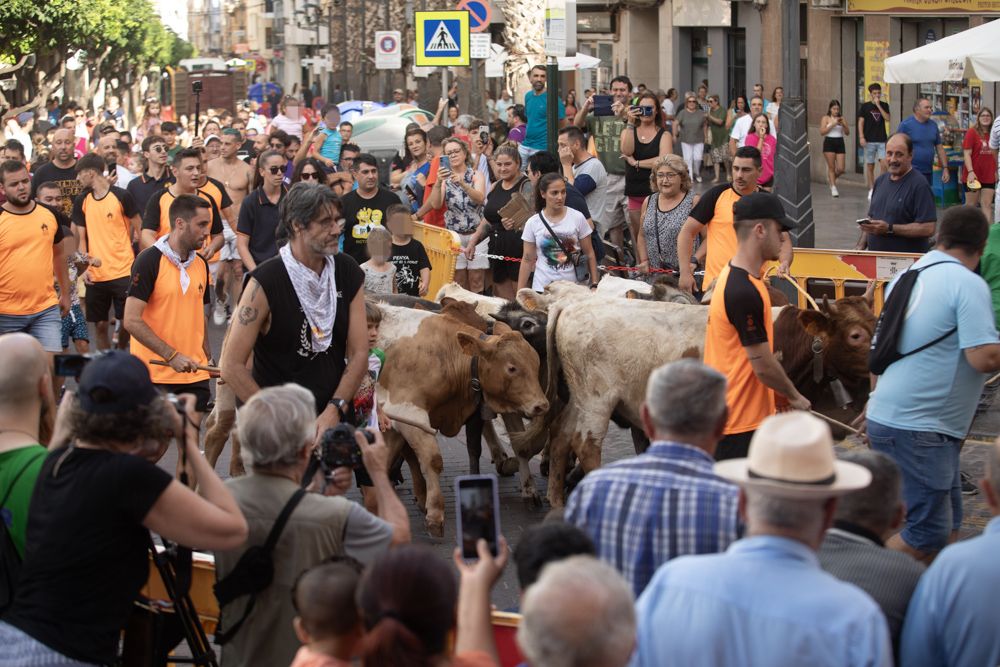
278	147
309	175
158	148
276	170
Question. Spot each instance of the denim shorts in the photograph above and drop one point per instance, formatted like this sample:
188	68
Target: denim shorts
874	151
932	488
46	327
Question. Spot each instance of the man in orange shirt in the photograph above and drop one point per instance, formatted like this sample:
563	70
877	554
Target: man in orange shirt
105	219
30	255
165	309
739	339
714	215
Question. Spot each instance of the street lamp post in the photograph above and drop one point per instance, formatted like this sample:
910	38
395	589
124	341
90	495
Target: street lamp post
791	169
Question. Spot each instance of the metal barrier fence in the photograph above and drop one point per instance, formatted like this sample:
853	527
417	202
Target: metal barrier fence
838	273
442	246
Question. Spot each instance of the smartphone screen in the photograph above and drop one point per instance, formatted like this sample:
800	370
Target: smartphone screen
478	513
602	105
863	221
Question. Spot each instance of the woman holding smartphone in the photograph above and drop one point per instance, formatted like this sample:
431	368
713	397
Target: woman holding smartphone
462	190
557	233
643	141
834	128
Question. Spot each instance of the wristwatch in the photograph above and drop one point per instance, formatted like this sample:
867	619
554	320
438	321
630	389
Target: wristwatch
890	232
341	406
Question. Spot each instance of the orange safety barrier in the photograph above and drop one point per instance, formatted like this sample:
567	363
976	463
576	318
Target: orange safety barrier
442	246
839	273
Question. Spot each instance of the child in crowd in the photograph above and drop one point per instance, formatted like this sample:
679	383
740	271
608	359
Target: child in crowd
327	621
74	324
413	268
366	414
380	274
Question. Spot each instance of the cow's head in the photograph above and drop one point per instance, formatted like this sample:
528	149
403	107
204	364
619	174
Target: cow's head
508	373
845	329
529	323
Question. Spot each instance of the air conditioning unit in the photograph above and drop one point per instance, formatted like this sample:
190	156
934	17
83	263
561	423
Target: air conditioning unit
828	4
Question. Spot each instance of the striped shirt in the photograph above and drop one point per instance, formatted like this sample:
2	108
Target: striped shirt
646	510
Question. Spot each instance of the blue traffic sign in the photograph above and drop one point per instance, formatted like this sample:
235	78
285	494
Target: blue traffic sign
480	14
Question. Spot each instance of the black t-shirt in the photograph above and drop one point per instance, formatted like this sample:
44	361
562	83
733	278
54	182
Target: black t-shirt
86	551
361	215
637	178
69	187
143	187
901	202
874	129
258	221
507	242
409	259
284	353
745	308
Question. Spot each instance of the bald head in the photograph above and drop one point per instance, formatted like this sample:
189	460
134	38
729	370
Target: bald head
62	147
23	364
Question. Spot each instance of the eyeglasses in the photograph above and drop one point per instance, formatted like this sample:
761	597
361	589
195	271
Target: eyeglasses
277	170
309	175
666	175
453	153
158	148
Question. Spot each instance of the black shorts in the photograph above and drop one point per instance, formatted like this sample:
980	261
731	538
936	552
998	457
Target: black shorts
734	446
200	390
101	296
986	186
834	145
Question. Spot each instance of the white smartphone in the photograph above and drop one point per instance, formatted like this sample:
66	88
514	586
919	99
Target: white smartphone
477	513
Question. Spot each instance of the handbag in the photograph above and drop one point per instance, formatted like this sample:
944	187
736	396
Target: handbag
577	259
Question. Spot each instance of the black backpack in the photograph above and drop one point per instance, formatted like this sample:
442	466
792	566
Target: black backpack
254	572
889	329
10	560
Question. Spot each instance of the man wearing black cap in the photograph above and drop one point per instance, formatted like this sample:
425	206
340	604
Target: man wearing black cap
739	337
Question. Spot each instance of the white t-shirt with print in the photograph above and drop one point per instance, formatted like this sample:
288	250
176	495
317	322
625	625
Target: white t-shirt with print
552	263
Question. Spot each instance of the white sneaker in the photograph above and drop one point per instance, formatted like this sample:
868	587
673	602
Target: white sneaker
219	314
698	178
833	191
870	195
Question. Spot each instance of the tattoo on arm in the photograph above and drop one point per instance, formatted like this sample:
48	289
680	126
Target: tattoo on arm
247	315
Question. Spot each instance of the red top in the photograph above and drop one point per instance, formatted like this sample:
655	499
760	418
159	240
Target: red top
984	163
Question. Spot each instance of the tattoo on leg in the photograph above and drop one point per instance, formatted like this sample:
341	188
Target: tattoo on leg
247	315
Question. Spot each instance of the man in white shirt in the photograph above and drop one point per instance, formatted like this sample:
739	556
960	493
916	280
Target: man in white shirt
669	107
742	126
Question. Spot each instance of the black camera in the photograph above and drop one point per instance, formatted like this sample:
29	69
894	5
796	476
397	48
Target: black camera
338	449
70	365
196	87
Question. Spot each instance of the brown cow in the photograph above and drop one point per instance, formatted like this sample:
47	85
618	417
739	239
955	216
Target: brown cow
429	383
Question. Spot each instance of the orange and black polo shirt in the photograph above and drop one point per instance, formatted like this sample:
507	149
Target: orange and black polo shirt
157	215
739	316
715	209
109	231
26	262
178	318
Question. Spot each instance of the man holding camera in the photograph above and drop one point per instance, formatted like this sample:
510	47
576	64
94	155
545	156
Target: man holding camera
276	428
165	308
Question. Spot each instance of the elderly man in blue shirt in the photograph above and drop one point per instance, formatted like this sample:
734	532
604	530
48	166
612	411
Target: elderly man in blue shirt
766	601
667	502
952	619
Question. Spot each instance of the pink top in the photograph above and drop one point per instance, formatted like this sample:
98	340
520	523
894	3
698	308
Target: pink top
306	657
767	152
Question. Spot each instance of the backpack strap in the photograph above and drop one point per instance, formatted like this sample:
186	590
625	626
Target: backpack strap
555	237
224	636
942	336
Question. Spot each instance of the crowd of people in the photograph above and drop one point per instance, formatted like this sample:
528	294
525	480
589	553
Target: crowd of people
738	529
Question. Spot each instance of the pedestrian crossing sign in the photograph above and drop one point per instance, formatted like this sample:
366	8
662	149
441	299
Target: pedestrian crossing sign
442	38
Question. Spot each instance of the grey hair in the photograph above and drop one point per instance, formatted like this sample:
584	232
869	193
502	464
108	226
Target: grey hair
873	507
303	203
465	121
803	518
686	397
275	424
580	613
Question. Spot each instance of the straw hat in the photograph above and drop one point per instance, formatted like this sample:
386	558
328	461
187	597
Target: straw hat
791	455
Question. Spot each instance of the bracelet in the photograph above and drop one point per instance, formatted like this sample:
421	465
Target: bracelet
171	357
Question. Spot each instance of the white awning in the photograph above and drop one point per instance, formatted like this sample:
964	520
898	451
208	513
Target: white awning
970	54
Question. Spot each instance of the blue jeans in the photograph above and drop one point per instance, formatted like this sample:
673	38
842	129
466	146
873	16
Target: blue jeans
45	326
932	488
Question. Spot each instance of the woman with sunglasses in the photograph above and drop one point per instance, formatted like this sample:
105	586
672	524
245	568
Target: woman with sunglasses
664	213
309	170
689	129
462	191
258	222
980	164
643	141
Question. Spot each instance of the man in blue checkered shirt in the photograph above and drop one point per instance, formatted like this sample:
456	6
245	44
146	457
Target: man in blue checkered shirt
667	502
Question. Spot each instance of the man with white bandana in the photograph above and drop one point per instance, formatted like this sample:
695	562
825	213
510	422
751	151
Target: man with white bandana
165	308
302	313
